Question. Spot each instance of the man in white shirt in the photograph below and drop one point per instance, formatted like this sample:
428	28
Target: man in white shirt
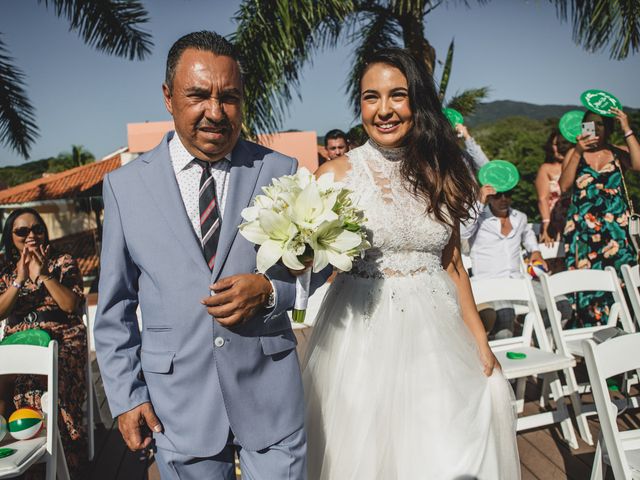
496	236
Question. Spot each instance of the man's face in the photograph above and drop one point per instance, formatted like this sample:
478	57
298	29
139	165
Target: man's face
500	202
206	103
336	147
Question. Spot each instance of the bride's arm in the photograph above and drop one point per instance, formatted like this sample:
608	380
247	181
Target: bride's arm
452	263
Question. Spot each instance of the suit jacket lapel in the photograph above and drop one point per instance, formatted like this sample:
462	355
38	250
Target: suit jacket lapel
244	173
160	180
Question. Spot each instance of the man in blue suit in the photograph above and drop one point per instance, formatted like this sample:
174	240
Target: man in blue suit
214	370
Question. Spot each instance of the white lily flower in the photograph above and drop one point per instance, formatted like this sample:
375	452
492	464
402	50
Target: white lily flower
326	183
280	231
260	202
309	209
332	244
253	232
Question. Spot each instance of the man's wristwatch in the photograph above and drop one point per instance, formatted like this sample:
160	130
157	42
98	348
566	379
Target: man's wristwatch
271	301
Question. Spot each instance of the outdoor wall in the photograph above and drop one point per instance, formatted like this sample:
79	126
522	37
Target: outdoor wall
63	218
142	137
301	145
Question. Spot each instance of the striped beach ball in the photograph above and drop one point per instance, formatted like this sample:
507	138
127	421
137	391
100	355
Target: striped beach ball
3	427
25	423
536	269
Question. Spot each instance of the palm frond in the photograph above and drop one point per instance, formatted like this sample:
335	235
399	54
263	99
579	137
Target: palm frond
467	101
403	7
111	26
603	24
379	31
18	129
446	71
278	37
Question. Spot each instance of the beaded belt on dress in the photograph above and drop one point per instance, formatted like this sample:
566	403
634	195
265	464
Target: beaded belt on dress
39	317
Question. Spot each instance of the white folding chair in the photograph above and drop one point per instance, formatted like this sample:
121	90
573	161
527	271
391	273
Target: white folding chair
570	341
556	250
91	400
46	447
540	360
621	450
631	276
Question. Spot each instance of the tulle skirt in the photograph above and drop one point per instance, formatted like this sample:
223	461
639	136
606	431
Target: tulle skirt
395	389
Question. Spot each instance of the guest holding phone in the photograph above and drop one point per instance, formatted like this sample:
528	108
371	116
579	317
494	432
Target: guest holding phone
596	234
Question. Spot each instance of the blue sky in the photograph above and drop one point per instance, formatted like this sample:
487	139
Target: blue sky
518	48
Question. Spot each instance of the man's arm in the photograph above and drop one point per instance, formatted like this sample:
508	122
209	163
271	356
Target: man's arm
529	240
530	243
116	330
469	227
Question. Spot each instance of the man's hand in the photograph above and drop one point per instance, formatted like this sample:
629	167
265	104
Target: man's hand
485	192
132	422
237	298
537	256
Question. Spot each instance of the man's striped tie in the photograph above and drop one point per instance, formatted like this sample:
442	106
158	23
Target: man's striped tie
210	219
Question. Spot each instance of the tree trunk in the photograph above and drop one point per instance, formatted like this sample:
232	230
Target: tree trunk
414	39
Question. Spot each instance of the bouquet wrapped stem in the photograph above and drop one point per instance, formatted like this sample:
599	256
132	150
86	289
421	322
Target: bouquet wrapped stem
303	282
302	221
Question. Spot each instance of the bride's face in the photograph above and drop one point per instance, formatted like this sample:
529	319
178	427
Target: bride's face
384	100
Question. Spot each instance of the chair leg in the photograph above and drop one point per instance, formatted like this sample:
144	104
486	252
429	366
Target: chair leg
581	416
62	469
597	471
544	394
568	432
520	388
91	404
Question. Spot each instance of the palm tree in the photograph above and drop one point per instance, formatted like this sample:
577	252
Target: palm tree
110	26
599	25
80	156
280	36
466	101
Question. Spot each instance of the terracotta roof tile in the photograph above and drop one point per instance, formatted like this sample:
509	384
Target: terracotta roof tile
70	183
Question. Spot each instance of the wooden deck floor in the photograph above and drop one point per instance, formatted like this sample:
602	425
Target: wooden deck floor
543	454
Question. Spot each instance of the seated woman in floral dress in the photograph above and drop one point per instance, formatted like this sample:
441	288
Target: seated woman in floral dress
43	289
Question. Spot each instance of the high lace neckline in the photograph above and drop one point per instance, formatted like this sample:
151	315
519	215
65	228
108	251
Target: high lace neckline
393	154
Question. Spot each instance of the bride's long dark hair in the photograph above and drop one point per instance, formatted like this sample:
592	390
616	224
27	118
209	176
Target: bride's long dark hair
434	168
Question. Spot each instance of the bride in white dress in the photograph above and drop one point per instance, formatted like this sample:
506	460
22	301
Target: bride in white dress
399	379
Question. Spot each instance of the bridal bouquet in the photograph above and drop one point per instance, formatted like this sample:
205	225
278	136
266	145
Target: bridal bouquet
302	220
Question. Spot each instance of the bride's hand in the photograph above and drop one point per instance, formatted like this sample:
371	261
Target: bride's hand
489	360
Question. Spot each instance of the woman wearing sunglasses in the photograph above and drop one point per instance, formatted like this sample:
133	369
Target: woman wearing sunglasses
43	289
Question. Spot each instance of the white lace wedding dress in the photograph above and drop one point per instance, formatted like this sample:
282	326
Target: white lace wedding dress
393	381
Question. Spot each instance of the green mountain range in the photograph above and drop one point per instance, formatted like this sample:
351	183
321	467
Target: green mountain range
491	112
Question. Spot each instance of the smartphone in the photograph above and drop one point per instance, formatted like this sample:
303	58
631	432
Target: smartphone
589	128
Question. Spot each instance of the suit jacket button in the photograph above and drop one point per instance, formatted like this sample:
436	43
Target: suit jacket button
218	342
